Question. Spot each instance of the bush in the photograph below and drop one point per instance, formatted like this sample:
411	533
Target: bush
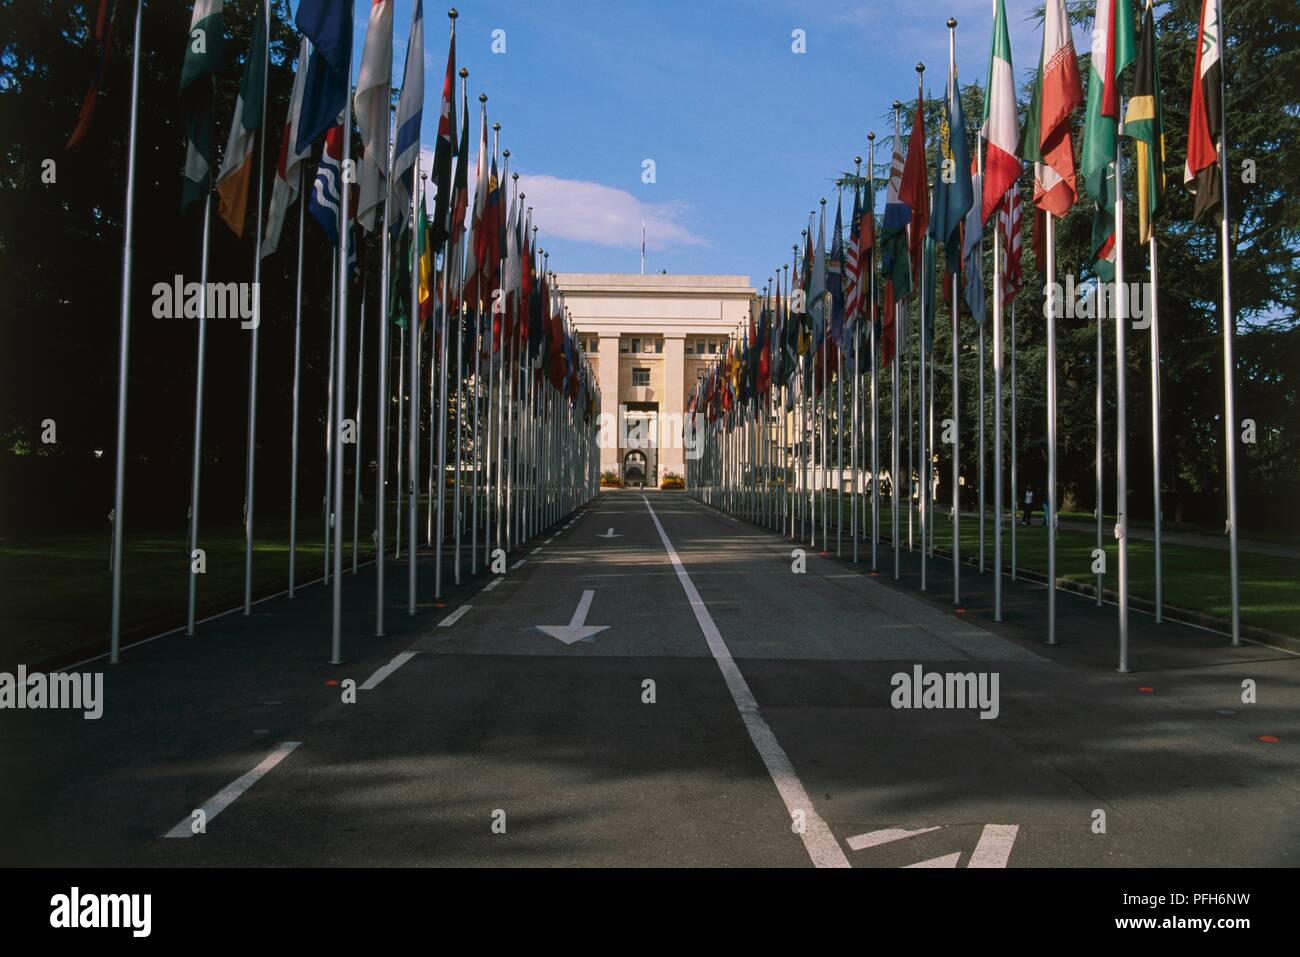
610	479
672	481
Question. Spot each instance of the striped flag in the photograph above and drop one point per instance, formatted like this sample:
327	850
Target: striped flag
1009	221
374	91
104	35
202	60
852	271
445	149
1001	130
285	189
410	107
1201	171
1144	122
238	163
1113	49
1048	139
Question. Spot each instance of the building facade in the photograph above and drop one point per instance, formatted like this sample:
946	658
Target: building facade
649	338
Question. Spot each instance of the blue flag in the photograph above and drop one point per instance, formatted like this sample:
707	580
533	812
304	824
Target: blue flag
328	25
952	196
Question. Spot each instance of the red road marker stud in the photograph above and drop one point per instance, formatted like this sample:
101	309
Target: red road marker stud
1147	690
332	682
1269	738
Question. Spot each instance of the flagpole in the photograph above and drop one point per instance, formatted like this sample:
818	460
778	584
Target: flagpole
1121	398
382	400
1051	431
998	290
925	437
1230	424
1099	441
1014	477
257	322
401	439
197	463
356	449
955	310
438	488
1153	305
870	313
345	195
457	515
297	376
329	417
128	234
413	408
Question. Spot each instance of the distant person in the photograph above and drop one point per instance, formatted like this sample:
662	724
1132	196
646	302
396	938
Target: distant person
1029	507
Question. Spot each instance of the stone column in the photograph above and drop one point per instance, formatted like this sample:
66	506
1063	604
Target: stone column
671	455
610	458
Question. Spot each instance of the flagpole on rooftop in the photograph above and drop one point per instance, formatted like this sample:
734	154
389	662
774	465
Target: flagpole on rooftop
257	322
124	346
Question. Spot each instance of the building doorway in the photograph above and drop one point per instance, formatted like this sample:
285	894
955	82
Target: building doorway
634	469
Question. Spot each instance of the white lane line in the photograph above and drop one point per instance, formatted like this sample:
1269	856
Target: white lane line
551	539
994	847
227	795
817	837
490	585
387	670
875	838
518	563
455	616
948	860
535	550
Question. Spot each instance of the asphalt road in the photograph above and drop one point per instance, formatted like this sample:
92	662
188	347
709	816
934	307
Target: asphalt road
478	739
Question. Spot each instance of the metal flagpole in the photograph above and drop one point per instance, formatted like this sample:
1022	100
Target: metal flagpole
912	499
381	403
128	234
955	310
839	453
356	449
1121	398
923	459
460	418
257	322
340	370
1230	424
1050	492
870	313
855	401
413	427
297	376
439	487
1014	479
895	465
401	438
998	288
1153	306
1099	411
329	415
197	463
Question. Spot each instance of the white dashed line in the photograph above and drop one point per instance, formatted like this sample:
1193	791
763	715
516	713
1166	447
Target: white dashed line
227	795
490	585
387	670
994	847
817	837
518	563
535	550
455	616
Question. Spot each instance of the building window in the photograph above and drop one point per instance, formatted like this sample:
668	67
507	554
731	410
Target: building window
622	345
640	376
636	345
659	345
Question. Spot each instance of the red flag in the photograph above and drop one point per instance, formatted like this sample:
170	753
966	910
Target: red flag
914	189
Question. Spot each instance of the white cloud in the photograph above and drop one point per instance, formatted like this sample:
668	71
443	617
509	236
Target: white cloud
588	212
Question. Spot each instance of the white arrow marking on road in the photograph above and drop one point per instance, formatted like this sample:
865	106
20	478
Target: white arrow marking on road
948	860
994	847
609	534
876	838
576	629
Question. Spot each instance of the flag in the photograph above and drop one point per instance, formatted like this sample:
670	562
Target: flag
1113	49
1144	122
323	201
285	189
952	188
852	271
1048	141
238	163
1201	172
972	261
410	106
835	277
817	284
104	34
1000	129
478	250
893	238
328	25
460	197
198	89
374	92
1009	221
445	149
424	264
914	190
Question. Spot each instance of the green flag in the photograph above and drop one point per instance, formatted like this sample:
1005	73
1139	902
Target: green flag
202	59
1144	122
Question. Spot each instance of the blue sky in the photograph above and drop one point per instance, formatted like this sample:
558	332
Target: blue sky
745	134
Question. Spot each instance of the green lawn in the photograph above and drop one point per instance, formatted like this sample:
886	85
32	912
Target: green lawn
56	594
1194	578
